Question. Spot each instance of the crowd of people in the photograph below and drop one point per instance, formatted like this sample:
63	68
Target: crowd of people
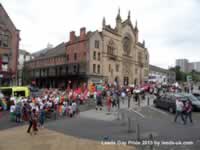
50	104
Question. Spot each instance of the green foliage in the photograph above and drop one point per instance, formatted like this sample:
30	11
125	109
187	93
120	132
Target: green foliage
182	76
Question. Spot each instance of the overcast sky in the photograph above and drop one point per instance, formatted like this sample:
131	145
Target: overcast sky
171	28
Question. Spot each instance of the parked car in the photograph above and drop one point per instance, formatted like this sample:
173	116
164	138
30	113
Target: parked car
194	100
197	95
168	101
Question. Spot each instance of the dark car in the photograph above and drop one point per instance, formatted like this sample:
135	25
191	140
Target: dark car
194	100
168	101
197	95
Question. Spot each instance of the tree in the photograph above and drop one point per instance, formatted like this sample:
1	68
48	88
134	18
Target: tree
180	76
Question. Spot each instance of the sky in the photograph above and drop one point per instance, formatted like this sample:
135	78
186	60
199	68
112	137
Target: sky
170	28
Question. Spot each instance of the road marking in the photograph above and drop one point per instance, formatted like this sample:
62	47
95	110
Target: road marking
160	111
138	113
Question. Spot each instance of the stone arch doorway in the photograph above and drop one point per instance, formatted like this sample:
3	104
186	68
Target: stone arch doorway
135	81
126	80
117	79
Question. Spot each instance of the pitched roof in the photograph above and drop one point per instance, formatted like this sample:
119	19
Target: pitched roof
56	51
51	52
159	69
21	51
128	22
6	15
110	29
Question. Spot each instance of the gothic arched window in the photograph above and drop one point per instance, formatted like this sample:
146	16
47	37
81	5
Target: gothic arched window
111	48
127	45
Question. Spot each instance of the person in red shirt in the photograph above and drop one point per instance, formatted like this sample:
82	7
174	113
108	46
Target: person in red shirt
188	110
109	102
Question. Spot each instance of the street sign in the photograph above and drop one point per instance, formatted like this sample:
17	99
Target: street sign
189	78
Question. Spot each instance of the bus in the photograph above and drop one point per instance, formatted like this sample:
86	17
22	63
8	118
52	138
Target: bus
15	91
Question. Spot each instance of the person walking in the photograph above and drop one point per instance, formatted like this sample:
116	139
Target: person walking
30	122
188	111
35	120
129	99
99	102
179	110
42	116
114	99
118	99
109	102
18	113
24	112
136	97
123	95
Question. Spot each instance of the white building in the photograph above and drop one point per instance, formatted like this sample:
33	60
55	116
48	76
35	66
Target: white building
196	66
183	64
23	57
161	75
187	66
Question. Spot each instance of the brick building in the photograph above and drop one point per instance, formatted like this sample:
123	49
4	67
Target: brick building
49	68
9	44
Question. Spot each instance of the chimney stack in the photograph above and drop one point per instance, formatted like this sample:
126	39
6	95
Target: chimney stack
72	36
82	33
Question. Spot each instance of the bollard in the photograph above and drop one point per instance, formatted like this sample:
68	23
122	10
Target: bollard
123	118
152	143
138	132
139	101
148	100
118	115
129	125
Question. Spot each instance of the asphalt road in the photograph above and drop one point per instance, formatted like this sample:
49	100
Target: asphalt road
161	127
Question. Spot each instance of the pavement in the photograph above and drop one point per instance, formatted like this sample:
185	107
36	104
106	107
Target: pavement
104	115
17	139
96	125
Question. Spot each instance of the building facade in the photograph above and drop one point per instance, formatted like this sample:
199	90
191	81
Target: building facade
24	56
49	68
161	75
183	64
111	55
124	59
195	66
9	44
187	66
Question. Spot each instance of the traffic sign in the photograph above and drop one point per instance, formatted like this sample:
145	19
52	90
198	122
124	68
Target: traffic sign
189	78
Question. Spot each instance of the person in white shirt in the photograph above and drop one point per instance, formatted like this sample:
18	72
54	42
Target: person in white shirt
70	110
179	110
12	111
74	107
123	95
12	108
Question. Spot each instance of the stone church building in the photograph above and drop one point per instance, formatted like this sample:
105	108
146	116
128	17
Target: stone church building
122	57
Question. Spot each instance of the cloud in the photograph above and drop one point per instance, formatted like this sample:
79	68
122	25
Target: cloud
171	27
